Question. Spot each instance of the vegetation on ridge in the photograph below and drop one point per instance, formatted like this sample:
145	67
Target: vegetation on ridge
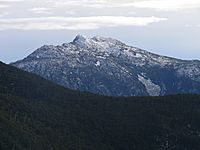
36	114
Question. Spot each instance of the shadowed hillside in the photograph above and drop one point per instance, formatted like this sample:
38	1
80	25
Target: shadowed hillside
36	114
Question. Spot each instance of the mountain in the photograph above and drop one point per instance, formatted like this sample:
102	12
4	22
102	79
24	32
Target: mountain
109	67
37	114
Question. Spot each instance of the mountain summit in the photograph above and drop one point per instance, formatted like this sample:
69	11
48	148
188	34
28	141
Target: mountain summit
109	67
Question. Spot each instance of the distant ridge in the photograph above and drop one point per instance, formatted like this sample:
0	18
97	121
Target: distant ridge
109	67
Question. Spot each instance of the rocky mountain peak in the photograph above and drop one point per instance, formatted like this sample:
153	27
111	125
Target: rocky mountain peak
82	41
106	39
81	38
96	42
109	67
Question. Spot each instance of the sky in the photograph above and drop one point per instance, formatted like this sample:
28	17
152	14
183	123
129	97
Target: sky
166	27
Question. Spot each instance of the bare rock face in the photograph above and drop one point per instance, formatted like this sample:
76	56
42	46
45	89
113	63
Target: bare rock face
109	67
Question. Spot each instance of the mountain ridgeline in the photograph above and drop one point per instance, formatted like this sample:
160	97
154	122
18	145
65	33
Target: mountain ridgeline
109	67
36	114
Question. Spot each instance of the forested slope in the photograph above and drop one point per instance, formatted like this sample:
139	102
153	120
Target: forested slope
36	114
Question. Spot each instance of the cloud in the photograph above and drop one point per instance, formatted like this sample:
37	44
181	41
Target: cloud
75	23
70	12
8	3
85	7
40	10
82	3
162	5
3	13
3	6
166	5
192	26
11	1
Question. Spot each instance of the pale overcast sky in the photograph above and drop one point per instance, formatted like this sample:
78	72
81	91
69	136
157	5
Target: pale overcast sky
167	27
